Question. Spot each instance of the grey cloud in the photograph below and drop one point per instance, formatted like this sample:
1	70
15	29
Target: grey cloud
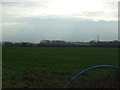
92	13
68	29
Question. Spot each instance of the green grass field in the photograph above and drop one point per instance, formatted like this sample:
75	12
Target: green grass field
52	67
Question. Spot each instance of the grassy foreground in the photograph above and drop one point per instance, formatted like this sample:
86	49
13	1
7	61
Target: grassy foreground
34	67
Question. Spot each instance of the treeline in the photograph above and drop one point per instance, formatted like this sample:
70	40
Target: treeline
58	43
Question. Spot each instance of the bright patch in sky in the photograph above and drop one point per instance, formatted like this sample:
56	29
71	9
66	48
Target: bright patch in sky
71	7
86	9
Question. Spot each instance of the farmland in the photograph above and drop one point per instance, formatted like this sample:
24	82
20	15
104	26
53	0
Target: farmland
52	67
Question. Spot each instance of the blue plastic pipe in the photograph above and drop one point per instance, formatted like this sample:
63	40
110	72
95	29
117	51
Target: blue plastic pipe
109	66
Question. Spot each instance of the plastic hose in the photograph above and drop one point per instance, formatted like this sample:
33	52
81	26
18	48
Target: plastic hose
109	66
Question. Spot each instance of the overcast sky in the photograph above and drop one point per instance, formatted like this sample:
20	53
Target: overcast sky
69	20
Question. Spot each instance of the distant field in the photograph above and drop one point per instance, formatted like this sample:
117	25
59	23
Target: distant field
54	66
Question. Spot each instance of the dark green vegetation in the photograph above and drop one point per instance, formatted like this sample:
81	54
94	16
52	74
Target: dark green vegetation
28	67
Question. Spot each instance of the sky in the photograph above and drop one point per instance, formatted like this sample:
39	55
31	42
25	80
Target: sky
69	20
